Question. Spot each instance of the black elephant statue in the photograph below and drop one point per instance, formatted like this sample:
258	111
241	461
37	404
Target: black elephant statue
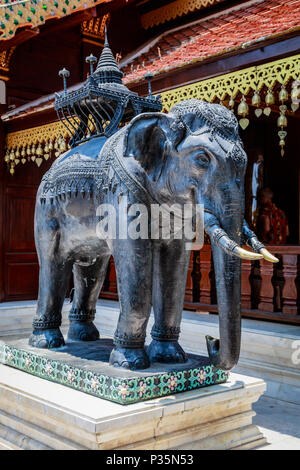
192	155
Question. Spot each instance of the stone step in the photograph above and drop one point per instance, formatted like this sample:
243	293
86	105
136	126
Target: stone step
12	436
7	445
39	414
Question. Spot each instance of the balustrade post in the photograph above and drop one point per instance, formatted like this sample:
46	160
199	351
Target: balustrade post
289	293
109	289
245	285
266	290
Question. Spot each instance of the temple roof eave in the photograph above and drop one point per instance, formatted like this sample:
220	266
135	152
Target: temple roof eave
176	59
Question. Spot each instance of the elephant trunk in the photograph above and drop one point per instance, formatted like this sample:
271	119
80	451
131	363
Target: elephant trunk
224	352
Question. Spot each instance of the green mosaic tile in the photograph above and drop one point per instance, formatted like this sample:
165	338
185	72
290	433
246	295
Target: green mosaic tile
116	387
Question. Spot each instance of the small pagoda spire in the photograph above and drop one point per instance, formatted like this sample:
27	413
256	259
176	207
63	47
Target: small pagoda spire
105	36
107	70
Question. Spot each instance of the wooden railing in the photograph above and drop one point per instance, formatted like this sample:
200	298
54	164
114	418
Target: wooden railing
269	291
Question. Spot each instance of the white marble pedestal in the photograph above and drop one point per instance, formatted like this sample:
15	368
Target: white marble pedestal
37	414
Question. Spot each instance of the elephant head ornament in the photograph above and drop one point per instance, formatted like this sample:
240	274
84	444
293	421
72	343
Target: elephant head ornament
192	155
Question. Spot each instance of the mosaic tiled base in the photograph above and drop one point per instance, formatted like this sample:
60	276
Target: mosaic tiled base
85	367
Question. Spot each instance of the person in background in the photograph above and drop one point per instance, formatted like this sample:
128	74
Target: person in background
272	224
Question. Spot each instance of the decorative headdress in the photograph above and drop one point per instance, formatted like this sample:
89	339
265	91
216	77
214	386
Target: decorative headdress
220	120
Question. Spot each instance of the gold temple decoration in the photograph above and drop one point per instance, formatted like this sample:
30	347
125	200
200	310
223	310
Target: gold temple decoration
173	10
282	120
5	58
35	13
259	81
256	81
243	110
244	82
36	144
93	31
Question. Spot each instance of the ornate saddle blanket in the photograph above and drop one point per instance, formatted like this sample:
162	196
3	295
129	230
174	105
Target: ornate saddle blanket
77	174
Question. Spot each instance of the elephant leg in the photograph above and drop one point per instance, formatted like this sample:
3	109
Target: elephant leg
133	261
53	283
88	281
170	266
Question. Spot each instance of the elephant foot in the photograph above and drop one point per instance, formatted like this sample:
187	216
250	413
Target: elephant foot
132	359
46	339
166	351
83	331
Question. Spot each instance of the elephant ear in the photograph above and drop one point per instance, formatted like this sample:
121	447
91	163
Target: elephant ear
149	136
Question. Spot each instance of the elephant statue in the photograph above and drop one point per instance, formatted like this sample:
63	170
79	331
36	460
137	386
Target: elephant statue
193	155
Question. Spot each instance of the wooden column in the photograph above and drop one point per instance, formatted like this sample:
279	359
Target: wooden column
112	288
266	290
289	294
204	268
188	296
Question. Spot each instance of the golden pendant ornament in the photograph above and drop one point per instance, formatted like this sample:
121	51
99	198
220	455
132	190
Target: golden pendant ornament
295	93
282	135
283	94
244	122
258	112
282	122
269	99
267	111
62	145
231	102
256	102
243	110
39	161
39	150
256	99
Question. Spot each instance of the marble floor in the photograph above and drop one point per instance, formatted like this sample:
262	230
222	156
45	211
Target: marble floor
279	421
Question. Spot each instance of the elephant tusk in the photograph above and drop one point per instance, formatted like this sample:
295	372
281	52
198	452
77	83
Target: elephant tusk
268	256
244	254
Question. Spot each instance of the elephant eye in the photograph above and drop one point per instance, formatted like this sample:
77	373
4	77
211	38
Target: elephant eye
203	158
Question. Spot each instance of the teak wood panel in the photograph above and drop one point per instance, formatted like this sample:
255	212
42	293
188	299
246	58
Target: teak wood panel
19	256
